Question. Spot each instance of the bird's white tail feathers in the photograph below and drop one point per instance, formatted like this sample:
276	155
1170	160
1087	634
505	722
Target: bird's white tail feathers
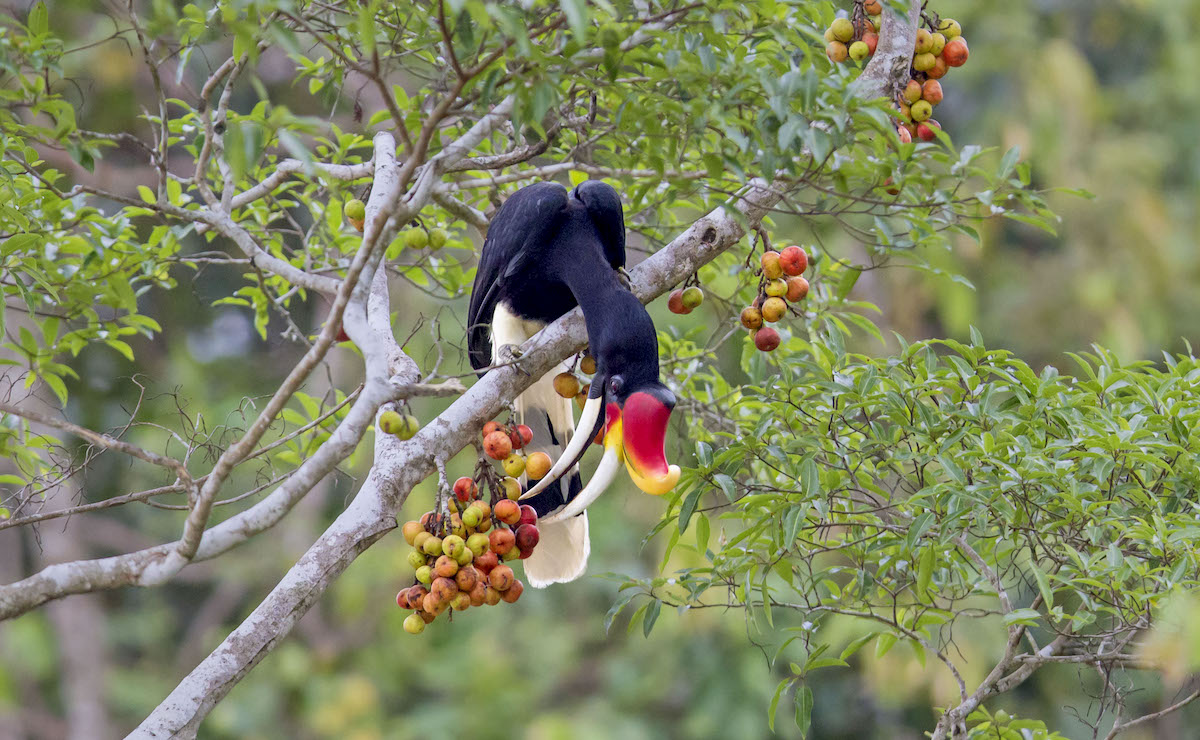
563	548
561	554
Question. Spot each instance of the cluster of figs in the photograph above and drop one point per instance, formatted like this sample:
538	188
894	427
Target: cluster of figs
460	559
781	281
939	46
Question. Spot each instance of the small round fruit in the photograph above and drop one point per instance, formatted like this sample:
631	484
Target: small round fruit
465	489
485	562
922	111
931	91
460	601
751	317
355	209
525	434
905	112
433	546
675	302
443	588
692	297
873	7
950	28
416	238
924	62
471	517
794	260
797	289
905	136
501	578
492	596
411	529
829	35
409	427
465	557
912	92
843	29
453	545
431	604
491	426
497	445
419	541
926	129
413	624
766	339
513	592
771	266
416	559
566	385
390	422
479	592
587	366
425	574
837	51
527	537
466	578
512	554
939	69
537	465
477	543
776	288
939	43
508	512
512	486
924	43
956	52
528	515
445	567
502	540
872	41
437	238
859	51
514	464
773	309
485	509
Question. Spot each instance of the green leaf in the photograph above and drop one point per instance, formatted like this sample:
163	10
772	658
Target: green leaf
651	617
688	508
804	707
577	18
775	702
39	19
1043	582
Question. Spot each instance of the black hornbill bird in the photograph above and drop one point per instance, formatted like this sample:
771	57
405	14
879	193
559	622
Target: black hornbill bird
547	251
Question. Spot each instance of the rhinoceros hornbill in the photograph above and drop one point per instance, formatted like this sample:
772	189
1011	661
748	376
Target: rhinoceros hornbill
547	251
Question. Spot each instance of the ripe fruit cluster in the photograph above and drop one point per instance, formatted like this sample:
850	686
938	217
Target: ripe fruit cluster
685	300
504	442
460	562
854	38
404	426
781	281
939	47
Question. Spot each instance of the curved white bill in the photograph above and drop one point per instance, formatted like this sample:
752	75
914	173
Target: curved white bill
601	479
578	443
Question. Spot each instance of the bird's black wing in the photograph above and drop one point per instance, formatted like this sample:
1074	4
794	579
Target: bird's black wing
608	215
526	220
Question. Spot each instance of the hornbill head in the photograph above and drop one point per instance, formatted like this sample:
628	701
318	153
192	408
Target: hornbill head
636	409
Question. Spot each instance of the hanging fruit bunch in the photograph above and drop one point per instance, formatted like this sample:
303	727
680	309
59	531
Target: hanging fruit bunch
781	281
939	46
460	548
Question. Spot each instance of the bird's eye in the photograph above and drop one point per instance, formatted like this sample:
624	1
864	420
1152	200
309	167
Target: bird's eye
615	385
